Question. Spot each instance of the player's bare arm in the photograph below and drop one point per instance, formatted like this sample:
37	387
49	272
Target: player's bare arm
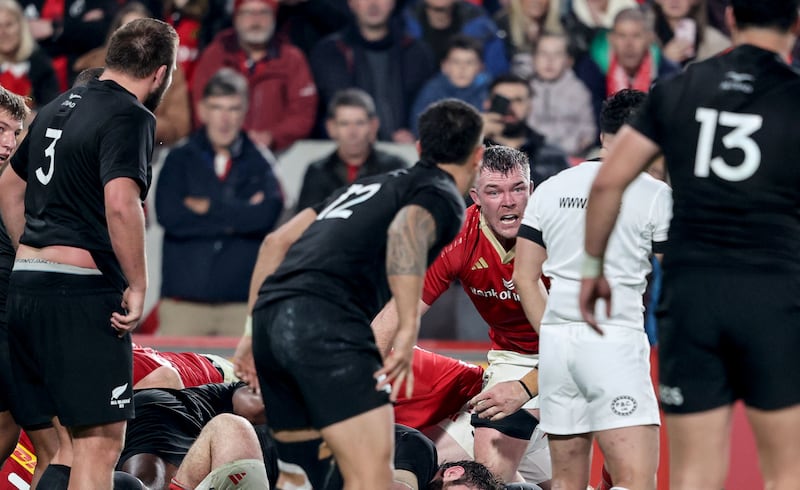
507	397
270	255
125	218
630	155
384	325
527	279
12	204
410	236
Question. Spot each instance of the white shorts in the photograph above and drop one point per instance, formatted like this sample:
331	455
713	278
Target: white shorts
242	474
535	465
506	365
589	382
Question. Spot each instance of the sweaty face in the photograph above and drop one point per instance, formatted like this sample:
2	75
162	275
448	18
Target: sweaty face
10	29
254	22
630	41
371	13
223	116
462	66
502	199
10	129
249	405
353	130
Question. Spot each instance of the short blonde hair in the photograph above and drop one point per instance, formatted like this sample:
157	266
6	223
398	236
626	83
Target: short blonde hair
518	22
26	42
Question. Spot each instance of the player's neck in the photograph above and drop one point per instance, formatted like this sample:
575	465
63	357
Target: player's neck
138	87
461	174
768	39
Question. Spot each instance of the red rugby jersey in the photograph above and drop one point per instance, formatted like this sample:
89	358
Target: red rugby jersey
442	385
476	258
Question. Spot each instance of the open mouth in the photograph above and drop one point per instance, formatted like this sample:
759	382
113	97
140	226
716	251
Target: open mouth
508	219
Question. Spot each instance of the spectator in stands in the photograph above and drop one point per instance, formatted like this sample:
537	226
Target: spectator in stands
684	33
436	21
629	58
216	199
585	19
24	68
173	119
283	97
186	16
461	77
375	55
520	24
508	126
306	22
562	105
353	124
66	29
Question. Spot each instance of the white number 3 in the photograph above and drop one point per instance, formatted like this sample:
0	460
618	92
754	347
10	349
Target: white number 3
743	126
50	153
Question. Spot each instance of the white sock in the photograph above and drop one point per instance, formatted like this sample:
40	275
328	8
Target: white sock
617	488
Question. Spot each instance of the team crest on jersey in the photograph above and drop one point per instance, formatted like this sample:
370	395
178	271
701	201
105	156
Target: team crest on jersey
740	82
624	405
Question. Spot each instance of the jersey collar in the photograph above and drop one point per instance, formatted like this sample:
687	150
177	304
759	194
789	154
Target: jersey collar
506	256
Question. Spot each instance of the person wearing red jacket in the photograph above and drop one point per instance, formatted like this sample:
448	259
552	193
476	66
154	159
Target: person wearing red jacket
283	97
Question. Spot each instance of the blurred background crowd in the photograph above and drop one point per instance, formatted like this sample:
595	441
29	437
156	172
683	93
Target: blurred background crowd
276	103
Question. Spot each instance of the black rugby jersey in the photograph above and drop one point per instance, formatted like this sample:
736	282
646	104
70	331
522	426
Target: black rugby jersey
728	128
85	138
342	255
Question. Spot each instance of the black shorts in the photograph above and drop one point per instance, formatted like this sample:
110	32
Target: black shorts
159	428
66	359
315	363
6	394
725	336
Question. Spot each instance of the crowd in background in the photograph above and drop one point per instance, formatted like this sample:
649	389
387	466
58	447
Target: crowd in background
356	72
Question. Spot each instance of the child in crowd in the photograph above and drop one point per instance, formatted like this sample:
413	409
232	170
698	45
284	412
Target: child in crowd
461	77
562	105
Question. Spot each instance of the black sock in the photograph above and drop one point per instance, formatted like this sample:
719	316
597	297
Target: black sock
55	477
322	473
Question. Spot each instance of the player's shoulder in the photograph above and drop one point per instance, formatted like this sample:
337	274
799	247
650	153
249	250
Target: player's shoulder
650	186
569	176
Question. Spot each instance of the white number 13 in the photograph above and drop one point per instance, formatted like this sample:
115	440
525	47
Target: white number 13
743	126
50	153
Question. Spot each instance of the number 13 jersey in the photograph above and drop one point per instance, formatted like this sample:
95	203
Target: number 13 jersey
728	128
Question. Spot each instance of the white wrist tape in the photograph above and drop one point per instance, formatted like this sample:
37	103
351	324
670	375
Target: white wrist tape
248	326
592	267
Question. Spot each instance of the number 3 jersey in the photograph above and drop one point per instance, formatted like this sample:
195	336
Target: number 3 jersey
728	128
341	257
85	138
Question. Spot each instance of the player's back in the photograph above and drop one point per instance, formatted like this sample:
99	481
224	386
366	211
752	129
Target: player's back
75	145
559	207
727	127
342	255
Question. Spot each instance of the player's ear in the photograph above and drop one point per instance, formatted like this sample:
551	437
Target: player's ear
730	20
473	194
160	75
453	473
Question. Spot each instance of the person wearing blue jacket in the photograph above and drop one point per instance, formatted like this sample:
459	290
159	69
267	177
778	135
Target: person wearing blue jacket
216	199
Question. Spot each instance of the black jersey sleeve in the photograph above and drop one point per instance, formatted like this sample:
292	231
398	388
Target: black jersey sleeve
126	147
19	161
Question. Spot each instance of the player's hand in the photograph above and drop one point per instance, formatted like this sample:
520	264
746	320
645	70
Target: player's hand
133	305
244	366
500	400
592	290
397	366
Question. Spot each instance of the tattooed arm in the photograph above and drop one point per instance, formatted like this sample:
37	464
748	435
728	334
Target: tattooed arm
411	235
